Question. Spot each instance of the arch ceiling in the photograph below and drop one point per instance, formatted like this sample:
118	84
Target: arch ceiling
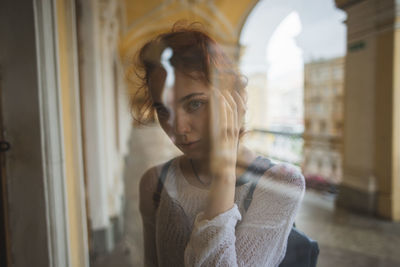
146	18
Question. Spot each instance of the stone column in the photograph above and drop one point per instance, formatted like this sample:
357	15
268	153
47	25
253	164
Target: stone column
95	150
371	108
98	27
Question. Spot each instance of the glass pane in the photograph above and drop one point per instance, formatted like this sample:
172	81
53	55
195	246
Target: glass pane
238	114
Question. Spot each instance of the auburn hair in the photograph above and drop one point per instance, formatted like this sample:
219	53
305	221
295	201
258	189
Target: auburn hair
193	51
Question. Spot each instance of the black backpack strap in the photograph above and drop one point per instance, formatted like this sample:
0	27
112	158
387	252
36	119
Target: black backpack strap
256	170
160	184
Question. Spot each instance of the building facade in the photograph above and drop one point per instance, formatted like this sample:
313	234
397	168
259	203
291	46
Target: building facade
323	119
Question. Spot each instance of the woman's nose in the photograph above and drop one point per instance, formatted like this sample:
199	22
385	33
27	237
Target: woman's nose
181	123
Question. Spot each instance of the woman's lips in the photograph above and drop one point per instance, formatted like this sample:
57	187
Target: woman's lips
189	144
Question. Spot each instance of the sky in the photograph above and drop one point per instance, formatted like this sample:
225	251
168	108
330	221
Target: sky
283	49
284	28
279	37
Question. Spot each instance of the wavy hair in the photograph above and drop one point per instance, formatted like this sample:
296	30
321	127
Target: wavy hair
193	51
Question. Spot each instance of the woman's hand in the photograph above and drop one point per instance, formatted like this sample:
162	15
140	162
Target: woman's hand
227	110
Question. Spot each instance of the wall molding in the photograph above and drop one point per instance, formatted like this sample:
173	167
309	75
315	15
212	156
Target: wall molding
51	132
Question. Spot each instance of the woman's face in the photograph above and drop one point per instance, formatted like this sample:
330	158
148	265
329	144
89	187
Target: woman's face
182	106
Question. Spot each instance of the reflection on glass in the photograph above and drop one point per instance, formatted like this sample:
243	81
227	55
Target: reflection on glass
218	203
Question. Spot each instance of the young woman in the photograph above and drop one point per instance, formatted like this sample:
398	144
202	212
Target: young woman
218	204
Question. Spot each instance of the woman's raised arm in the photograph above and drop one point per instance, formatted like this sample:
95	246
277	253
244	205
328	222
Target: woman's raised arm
260	238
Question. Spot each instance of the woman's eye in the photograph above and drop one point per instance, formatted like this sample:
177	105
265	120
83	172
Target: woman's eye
195	105
162	112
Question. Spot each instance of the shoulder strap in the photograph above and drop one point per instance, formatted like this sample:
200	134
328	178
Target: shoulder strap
260	166
160	184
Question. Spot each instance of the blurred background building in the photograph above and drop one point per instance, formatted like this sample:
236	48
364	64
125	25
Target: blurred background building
71	157
323	119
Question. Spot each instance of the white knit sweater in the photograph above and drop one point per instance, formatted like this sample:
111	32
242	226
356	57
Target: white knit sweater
256	237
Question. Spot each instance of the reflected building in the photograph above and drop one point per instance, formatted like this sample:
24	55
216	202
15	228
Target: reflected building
267	106
257	96
323	119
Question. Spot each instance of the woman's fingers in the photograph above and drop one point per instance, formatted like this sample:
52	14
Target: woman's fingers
232	127
219	114
220	150
225	114
241	106
239	101
229	108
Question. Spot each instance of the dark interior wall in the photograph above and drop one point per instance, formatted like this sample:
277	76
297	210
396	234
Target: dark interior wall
21	127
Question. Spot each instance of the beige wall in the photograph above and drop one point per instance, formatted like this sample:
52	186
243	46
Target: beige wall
67	52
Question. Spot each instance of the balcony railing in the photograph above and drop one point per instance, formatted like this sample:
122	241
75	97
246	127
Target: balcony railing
281	146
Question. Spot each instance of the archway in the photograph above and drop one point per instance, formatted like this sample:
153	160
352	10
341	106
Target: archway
292	39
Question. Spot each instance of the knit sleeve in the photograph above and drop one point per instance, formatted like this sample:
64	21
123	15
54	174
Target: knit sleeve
260	238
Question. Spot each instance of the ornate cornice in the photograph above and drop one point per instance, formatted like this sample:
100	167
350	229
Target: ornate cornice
344	4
